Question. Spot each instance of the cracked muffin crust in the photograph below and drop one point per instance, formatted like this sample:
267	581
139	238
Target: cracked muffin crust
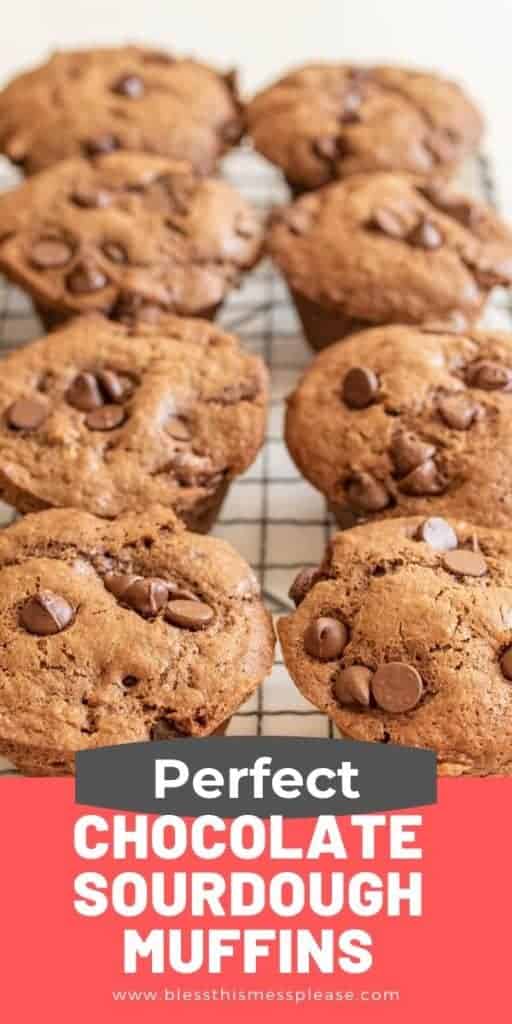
127	233
404	636
110	418
385	248
121	632
407	421
89	102
326	121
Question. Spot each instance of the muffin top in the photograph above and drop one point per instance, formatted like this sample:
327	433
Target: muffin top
89	102
126	232
383	247
109	418
118	632
326	121
402	421
404	635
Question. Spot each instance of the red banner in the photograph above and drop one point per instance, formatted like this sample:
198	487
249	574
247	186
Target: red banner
451	962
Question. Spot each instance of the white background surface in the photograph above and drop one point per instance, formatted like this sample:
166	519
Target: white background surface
468	40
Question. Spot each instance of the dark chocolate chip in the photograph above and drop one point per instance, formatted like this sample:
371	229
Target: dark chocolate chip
117	583
302	584
26	414
366	494
146	596
178	429
113	387
326	147
108	417
130	86
84	393
458	410
92	199
425	479
461	208
232	130
325	638
85	279
49	253
506	663
352	685
101	145
389	222
425	236
350	113
189	614
408	451
463	562
115	253
46	613
438	534
164	729
360	387
397	687
490	376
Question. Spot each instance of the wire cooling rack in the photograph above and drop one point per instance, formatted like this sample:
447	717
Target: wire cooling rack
276	520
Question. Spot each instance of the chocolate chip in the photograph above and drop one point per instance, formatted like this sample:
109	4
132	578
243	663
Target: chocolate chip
360	387
84	393
130	86
189	614
302	584
178	429
325	638
397	687
425	479
387	221
490	376
26	414
506	663
46	614
92	199
425	236
146	596
326	147
232	130
408	451
463	562
297	219
351	108
48	253
84	280
101	145
108	417
352	685
117	583
115	252
438	533
366	494
177	593
460	208
458	410
114	387
163	729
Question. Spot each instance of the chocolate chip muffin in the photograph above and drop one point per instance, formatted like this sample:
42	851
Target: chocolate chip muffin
406	421
91	102
126	234
383	248
404	635
326	121
110	418
120	632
